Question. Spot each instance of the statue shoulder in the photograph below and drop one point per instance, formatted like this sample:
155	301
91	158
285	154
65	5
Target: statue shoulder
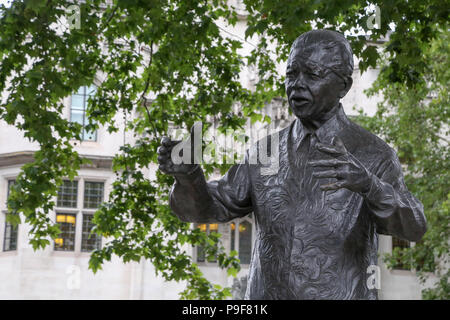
360	141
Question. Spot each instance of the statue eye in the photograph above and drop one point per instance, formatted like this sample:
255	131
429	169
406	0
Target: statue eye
314	76
290	74
314	72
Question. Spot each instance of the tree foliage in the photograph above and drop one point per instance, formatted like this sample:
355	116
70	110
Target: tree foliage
416	120
175	53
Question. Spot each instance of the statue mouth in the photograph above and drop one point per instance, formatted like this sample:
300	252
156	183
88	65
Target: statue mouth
300	101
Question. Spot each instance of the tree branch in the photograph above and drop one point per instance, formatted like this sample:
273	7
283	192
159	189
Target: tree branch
109	18
147	84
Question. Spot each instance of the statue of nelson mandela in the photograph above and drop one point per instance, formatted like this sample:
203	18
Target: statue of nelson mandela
336	188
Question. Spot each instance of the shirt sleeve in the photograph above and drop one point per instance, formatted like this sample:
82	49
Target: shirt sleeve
193	199
395	210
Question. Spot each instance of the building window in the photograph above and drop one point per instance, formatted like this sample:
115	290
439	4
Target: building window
93	194
67	194
89	241
208	228
66	239
10	238
242	239
400	244
78	111
71	210
11	231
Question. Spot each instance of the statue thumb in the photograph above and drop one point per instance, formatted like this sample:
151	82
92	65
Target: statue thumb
338	143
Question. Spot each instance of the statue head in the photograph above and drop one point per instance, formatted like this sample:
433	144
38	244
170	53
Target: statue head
319	73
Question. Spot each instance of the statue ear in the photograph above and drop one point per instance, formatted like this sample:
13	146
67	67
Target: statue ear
347	85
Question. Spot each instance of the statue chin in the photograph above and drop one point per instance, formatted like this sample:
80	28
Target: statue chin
302	110
305	113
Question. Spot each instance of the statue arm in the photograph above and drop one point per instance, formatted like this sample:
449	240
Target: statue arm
395	210
193	199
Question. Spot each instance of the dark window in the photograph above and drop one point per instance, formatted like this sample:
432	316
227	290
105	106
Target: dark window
241	240
245	242
89	241
67	194
233	236
10	239
93	194
11	232
66	239
78	111
400	244
208	228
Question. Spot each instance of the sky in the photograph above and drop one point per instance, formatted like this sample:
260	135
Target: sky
6	2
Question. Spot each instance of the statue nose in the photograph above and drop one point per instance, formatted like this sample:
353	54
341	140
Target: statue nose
300	81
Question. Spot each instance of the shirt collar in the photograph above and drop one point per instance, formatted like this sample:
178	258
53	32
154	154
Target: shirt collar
325	133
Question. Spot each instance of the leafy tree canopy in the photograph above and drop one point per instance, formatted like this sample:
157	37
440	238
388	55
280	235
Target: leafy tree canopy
175	52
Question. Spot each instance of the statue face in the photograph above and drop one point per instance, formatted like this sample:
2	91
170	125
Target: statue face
312	87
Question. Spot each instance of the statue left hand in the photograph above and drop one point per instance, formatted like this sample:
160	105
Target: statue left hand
349	171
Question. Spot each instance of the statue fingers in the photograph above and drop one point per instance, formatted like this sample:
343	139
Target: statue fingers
330	149
163	158
334	186
339	144
163	168
162	150
325	174
166	141
327	163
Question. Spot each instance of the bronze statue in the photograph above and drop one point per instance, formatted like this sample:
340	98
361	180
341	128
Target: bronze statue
337	186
